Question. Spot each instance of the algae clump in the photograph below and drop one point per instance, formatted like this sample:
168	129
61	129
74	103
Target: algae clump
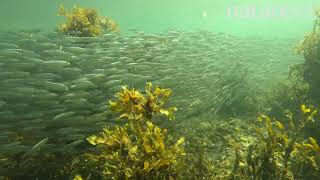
309	47
139	149
85	22
280	152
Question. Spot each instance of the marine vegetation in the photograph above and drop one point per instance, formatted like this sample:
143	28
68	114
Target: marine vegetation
309	47
306	158
306	154
198	163
288	95
307	73
134	106
45	163
139	149
267	159
302	85
85	22
280	152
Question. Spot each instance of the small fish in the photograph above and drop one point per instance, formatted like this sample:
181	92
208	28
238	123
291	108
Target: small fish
64	115
36	147
39	144
56	64
8	46
75	143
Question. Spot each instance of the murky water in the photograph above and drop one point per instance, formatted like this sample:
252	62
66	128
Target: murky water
55	88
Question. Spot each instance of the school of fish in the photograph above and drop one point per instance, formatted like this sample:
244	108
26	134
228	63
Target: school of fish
55	88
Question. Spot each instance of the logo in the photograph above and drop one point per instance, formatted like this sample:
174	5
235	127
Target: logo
271	12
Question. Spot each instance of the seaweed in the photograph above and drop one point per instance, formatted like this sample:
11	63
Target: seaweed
265	159
139	149
280	152
198	164
85	22
133	105
306	159
47	163
309	47
303	83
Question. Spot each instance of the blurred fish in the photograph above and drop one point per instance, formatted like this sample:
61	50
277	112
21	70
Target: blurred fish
60	85
56	64
8	46
39	144
64	115
56	87
76	143
36	147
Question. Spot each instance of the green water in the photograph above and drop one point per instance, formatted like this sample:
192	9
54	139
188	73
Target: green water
225	63
155	16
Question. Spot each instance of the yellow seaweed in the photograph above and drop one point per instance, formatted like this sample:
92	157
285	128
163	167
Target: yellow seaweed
85	22
139	148
77	177
133	105
304	109
279	125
